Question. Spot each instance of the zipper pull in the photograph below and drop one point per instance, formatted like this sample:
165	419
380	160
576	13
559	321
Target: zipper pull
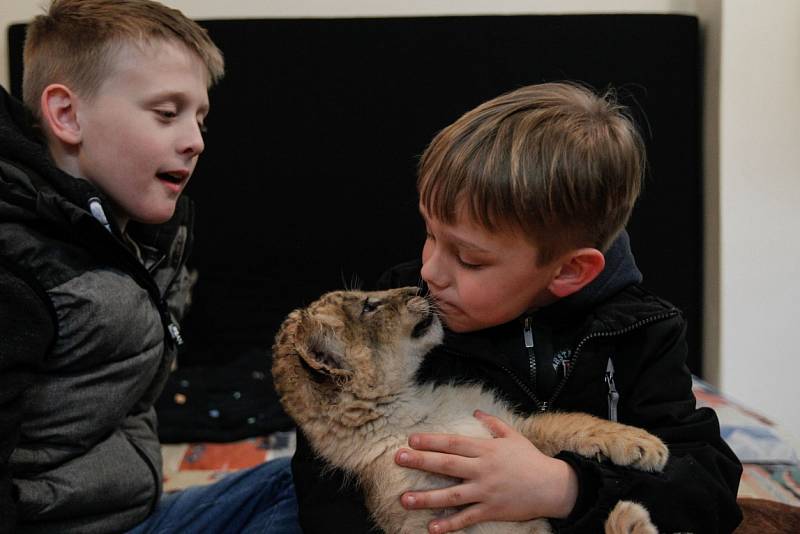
528	333
613	394
96	209
175	334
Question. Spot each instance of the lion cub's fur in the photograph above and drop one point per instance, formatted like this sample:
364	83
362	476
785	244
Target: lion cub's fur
344	368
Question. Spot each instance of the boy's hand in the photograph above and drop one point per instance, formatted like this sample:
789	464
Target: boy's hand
505	478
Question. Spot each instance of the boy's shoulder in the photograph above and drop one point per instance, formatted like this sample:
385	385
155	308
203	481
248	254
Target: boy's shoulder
14	175
631	307
24	157
637	296
24	302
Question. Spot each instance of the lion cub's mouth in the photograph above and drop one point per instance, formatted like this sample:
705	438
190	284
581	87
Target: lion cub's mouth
422	326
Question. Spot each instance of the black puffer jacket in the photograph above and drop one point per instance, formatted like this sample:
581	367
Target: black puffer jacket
612	350
85	345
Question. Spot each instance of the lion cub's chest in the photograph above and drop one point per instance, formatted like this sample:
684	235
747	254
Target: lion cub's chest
446	410
450	409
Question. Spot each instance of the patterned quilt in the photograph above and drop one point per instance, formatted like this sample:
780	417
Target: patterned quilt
769	454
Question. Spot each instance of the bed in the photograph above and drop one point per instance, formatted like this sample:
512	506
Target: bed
307	185
768	452
769	491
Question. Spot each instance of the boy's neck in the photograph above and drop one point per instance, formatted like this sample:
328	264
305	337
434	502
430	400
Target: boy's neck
64	157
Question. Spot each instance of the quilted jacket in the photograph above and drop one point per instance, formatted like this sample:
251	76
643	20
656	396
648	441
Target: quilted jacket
88	334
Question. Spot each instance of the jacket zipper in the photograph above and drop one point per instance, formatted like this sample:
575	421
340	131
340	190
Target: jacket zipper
611	333
613	394
527	333
543	406
170	328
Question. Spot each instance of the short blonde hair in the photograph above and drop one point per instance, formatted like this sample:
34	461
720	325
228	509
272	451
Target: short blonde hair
553	161
75	40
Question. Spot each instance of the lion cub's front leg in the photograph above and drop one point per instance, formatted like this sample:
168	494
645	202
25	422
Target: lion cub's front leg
593	437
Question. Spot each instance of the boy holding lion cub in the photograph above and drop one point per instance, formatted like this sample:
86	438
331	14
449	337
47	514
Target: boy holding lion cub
525	199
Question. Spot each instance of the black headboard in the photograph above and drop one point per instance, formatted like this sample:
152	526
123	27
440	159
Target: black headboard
307	181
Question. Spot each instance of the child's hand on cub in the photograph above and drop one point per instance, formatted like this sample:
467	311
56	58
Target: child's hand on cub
505	478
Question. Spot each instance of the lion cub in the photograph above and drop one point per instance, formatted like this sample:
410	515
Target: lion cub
344	368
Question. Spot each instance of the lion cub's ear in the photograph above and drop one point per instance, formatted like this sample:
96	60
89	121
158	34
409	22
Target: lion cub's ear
321	358
319	354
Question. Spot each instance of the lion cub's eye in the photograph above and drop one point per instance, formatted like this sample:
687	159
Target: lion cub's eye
370	306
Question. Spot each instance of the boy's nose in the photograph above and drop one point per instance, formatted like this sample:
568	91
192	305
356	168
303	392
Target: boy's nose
192	143
432	273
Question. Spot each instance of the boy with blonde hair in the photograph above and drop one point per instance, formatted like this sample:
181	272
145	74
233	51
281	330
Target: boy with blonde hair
525	199
94	236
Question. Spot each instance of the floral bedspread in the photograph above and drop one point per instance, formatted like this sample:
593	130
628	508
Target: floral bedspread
769	454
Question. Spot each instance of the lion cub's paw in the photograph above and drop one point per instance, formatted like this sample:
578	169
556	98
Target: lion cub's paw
631	446
640	449
629	517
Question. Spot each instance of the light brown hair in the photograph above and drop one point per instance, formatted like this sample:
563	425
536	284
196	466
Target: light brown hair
553	161
75	40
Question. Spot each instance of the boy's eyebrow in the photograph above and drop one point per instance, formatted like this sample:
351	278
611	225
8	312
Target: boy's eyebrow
468	245
457	240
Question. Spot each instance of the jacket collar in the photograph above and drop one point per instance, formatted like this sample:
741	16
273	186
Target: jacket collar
620	271
22	144
59	197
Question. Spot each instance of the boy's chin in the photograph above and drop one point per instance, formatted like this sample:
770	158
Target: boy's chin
459	327
463	325
155	218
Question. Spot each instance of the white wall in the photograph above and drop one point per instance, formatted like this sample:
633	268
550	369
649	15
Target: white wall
752	127
759	201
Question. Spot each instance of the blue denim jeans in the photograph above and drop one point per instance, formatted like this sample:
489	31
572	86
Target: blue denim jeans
260	499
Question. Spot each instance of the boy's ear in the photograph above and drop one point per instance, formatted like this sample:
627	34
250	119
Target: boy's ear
60	114
578	268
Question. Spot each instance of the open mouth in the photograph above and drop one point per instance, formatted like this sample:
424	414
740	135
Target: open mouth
174	178
422	326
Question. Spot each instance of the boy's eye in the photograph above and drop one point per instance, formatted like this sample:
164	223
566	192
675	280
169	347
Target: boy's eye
468	265
166	113
203	128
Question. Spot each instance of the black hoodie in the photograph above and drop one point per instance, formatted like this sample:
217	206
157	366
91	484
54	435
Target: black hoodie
612	350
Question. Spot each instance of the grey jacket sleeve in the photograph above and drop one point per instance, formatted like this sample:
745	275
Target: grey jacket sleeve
26	331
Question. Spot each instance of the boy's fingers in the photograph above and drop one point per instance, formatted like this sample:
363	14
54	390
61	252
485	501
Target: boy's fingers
452	496
435	462
466	517
498	427
447	443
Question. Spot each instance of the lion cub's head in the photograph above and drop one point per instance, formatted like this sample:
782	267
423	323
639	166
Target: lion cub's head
350	352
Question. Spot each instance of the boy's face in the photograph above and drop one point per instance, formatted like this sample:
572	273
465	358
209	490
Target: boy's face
141	132
481	279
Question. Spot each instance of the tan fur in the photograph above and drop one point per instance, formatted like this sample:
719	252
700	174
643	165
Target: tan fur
629	518
344	369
